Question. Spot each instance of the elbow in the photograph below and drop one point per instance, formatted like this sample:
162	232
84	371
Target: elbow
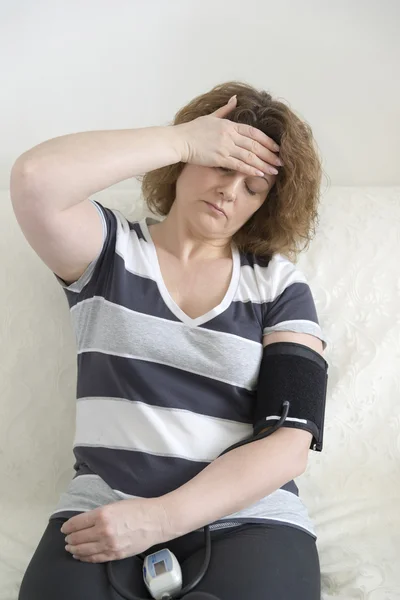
297	443
296	463
302	464
302	456
24	178
25	167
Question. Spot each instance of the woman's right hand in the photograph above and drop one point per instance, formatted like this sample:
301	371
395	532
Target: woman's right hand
213	141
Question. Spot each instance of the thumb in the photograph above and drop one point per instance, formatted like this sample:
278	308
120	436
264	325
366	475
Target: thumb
227	108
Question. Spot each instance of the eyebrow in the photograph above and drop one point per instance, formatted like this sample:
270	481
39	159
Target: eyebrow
270	184
265	179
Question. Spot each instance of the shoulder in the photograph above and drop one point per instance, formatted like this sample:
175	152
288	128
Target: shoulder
271	275
121	229
116	221
289	310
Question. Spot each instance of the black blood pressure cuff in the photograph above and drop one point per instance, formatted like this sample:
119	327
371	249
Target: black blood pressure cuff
297	374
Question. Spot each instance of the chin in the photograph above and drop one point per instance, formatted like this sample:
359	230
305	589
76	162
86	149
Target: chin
207	224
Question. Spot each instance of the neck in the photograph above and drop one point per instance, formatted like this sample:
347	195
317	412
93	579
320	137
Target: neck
177	237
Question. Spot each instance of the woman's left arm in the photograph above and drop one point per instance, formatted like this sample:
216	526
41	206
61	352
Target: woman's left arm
230	483
242	476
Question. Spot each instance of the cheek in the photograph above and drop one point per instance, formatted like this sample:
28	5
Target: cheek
193	181
251	205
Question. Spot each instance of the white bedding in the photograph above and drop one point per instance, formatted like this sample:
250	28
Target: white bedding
352	488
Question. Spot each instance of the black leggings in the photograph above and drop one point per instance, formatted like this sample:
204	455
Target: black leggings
248	562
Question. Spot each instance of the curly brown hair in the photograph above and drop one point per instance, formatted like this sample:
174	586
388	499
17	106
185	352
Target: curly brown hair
285	223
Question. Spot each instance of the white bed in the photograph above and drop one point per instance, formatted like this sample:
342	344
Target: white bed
352	488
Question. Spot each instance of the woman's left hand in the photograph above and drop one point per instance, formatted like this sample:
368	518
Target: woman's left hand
116	530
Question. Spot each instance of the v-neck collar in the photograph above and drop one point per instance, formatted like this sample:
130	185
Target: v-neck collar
170	302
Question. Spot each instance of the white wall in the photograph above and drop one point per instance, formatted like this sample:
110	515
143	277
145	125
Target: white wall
73	65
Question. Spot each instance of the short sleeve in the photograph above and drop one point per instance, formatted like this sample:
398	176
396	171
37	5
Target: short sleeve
102	264
292	306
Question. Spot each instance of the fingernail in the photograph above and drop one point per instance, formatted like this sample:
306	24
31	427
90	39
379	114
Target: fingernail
274	171
280	162
233	97
75	557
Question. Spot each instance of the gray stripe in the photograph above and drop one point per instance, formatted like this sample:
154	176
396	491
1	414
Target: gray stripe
136	473
88	492
295	303
141	381
128	472
146	298
216	355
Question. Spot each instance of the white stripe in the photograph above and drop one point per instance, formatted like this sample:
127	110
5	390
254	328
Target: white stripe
127	425
294	419
135	252
265	284
103	220
124	496
298	326
218	355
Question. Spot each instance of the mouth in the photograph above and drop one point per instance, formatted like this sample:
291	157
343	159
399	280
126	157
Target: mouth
216	208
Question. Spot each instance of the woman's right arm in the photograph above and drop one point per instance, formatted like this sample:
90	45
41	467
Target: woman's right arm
51	185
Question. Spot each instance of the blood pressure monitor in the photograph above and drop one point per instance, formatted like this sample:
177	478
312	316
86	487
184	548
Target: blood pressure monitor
162	574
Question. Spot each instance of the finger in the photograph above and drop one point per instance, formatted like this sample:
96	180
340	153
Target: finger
263	153
223	111
253	162
238	165
95	558
257	135
85	549
83	537
82	521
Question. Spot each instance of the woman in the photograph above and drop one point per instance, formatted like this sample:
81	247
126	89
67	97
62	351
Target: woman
171	317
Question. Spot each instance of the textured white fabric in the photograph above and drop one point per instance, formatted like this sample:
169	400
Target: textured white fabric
352	488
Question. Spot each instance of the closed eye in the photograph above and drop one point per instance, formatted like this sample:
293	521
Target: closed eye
251	192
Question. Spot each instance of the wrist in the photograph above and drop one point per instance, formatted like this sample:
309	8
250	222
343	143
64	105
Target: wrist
153	519
169	515
178	140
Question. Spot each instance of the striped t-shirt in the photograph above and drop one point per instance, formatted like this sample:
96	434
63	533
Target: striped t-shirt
160	395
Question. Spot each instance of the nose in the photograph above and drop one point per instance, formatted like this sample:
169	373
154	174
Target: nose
229	186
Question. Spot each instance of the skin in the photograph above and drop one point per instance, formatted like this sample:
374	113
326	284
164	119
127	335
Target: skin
192	229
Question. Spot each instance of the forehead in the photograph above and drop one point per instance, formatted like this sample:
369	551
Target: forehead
199	171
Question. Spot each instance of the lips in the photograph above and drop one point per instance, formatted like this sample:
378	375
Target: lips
221	210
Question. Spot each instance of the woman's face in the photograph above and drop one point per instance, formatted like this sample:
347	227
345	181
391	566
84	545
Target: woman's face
238	196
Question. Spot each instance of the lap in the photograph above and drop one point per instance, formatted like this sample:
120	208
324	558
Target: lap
53	574
257	562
